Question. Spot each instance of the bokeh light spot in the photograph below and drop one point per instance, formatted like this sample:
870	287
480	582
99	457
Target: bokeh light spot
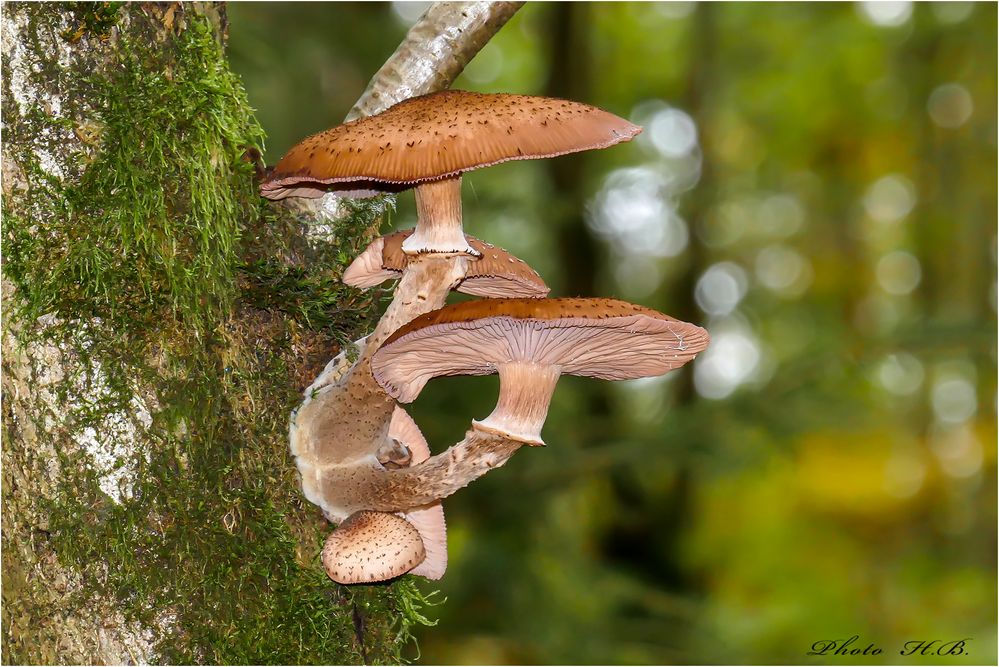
950	105
890	198
954	400
720	288
487	66
782	269
408	12
730	360
886	14
673	132
958	450
780	215
900	374
950	13
632	212
674	10
898	272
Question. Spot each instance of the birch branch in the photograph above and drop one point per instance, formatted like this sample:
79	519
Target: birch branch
435	51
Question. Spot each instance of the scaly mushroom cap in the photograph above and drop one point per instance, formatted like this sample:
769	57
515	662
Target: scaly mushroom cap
372	546
496	274
438	136
601	338
429	521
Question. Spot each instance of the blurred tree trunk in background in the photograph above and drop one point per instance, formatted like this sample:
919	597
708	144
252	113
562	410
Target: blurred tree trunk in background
580	256
701	82
159	325
569	78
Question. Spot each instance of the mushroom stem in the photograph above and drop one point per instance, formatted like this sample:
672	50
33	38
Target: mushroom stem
348	419
525	393
424	286
342	490
438	222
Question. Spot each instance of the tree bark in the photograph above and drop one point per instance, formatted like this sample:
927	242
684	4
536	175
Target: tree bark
159	324
434	53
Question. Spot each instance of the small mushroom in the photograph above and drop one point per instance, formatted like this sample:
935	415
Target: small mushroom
372	546
496	274
428	142
355	537
530	343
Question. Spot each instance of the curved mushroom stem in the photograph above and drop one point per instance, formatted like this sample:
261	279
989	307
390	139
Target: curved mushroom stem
343	490
525	393
424	286
438	226
349	419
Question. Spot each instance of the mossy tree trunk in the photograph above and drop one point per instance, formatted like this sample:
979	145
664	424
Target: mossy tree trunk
159	325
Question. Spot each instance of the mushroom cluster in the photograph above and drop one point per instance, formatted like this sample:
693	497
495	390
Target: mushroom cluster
362	459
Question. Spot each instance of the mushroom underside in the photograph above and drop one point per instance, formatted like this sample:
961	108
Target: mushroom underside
428	521
617	348
494	274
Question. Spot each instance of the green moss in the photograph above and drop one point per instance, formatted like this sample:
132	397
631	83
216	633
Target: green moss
94	18
161	268
155	218
312	293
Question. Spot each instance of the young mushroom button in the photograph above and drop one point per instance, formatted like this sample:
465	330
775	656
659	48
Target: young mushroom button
530	343
428	142
372	546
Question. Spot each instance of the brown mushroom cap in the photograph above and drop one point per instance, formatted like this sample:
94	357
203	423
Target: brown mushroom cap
601	338
438	136
495	274
372	546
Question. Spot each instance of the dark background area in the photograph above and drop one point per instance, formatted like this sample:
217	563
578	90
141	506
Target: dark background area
816	185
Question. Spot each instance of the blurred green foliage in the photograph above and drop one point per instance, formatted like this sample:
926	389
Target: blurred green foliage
816	184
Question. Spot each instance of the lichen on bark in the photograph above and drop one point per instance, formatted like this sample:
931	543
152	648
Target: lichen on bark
159	324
